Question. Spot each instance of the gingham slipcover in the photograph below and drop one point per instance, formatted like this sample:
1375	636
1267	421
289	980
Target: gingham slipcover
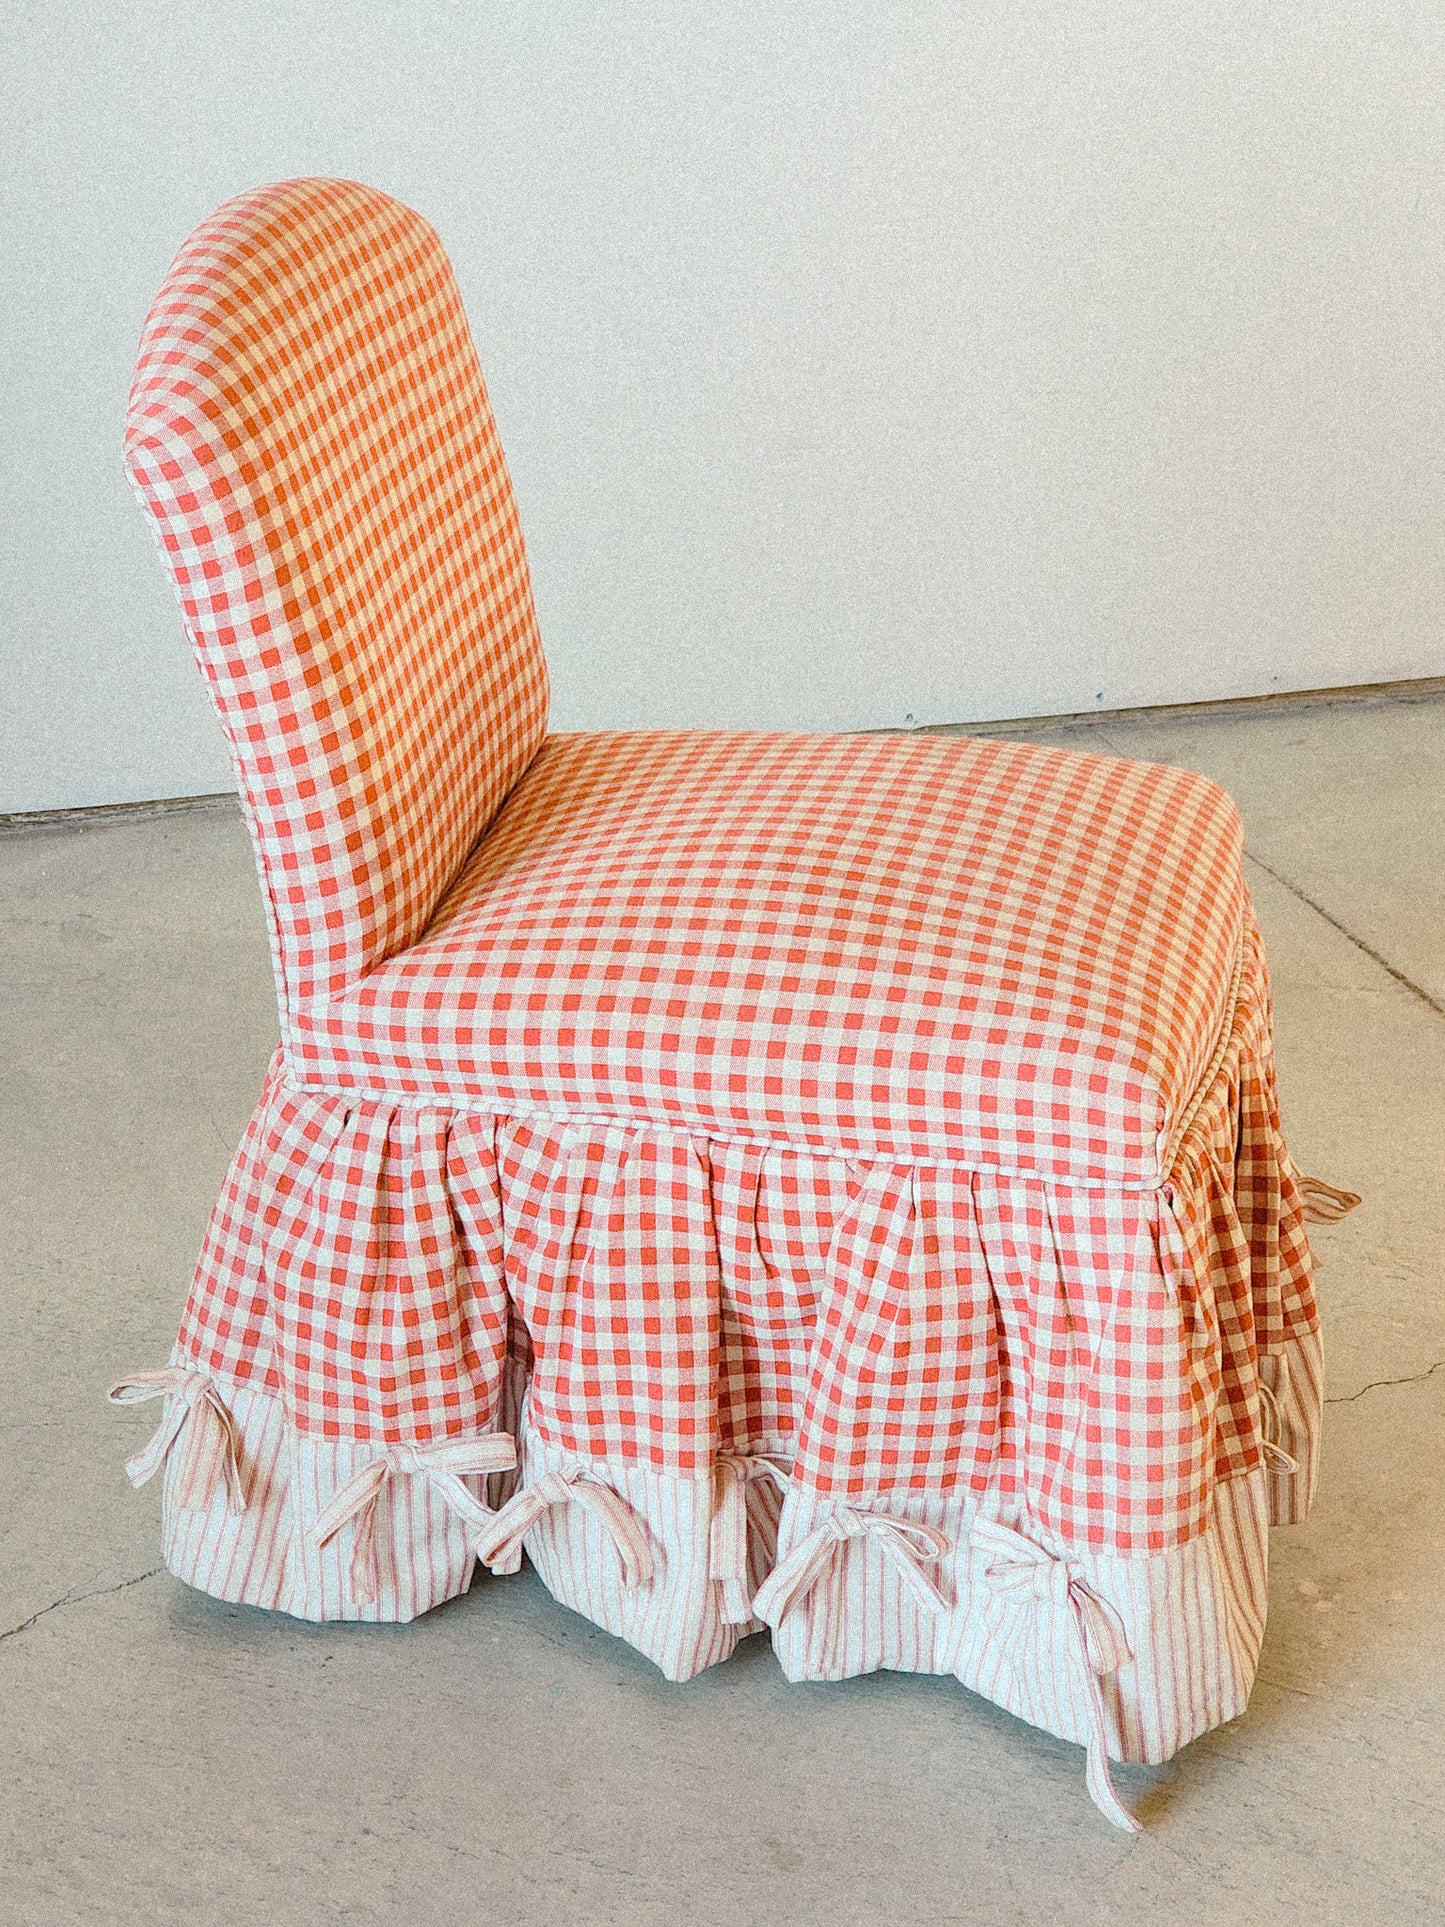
828	1183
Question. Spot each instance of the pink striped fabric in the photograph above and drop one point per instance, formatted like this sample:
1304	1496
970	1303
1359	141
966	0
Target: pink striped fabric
912	1587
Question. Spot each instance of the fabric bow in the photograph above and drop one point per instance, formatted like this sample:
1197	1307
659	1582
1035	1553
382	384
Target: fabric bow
735	1476
444	1466
907	1545
500	1544
1272	1427
1020	1571
196	1414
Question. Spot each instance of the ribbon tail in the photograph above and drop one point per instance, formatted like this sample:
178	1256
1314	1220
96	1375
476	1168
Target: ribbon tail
1096	1639
195	1417
365	1561
1325	1203
737	1604
231	1470
621	1524
464	1502
1097	1776
728	1550
793	1578
167	1382
210	1457
728	1536
1271	1426
356	1501
364	1573
141	1467
909	1566
499	1543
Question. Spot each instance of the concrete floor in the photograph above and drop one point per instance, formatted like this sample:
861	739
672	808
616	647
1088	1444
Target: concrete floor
172	1759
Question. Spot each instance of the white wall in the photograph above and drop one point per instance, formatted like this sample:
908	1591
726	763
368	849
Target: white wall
857	363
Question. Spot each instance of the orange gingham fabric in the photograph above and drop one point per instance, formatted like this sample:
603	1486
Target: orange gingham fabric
1089	1353
893	1117
909	947
311	436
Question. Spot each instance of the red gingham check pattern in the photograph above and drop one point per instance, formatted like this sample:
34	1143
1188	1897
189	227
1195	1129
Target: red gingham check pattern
995	1335
906	947
1088	1353
1239	1214
904	1382
898	1106
612	1265
775	1213
309	430
353	1263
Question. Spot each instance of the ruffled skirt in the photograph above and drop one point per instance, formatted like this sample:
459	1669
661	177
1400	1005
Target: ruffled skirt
1027	1432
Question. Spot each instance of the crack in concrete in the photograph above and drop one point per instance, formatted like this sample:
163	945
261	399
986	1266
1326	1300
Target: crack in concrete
1283	1686
1414	1378
1407	983
77	1599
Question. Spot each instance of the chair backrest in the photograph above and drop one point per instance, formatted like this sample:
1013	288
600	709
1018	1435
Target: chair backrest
309	430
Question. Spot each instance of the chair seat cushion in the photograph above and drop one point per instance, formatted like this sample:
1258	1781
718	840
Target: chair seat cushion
900	946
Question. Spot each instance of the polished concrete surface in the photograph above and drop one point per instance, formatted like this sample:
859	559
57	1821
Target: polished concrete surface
170	1759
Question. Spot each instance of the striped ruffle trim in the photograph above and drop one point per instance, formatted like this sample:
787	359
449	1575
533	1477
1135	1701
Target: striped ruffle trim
1129	1656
